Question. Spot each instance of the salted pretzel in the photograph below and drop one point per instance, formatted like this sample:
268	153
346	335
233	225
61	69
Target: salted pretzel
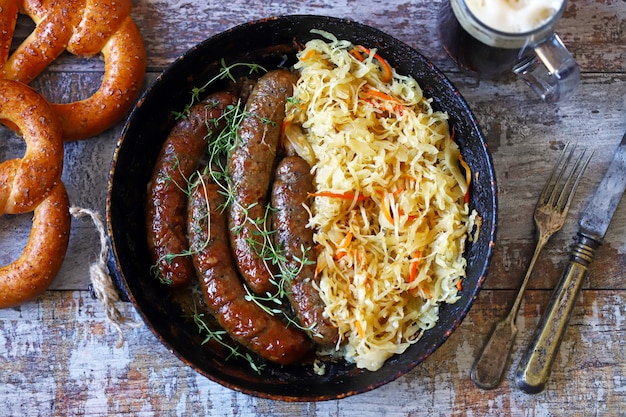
33	272
33	183
26	181
84	28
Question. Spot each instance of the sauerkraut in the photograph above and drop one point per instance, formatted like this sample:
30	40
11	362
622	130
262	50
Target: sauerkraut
389	213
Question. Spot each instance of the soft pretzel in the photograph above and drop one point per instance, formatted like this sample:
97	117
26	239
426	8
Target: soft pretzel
25	182
43	256
84	28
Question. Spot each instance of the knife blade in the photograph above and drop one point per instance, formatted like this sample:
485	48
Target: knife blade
533	371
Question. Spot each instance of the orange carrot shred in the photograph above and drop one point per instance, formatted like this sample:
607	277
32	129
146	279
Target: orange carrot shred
308	55
459	285
386	68
426	292
385	206
359	329
356	54
413	270
339	255
379	94
345	196
396	104
343	246
358	259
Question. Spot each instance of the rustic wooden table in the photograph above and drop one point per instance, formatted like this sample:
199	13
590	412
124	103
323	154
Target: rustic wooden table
58	354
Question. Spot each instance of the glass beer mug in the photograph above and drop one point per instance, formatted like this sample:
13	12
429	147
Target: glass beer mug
492	37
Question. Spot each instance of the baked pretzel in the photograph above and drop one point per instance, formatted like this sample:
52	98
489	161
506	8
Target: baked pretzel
43	256
25	182
84	28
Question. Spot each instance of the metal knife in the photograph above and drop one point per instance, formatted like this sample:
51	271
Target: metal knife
534	368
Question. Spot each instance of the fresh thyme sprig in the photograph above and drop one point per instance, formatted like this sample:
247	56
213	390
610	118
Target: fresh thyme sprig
168	258
226	72
218	336
219	149
271	254
155	272
218	146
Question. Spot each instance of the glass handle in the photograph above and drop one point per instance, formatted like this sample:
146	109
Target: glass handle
550	70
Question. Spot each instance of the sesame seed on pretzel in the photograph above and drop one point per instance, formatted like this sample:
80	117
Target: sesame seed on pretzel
33	182
33	272
84	28
26	181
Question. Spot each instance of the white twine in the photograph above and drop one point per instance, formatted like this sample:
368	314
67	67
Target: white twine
100	279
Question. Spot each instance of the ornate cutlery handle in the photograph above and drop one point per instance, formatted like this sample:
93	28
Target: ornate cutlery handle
534	368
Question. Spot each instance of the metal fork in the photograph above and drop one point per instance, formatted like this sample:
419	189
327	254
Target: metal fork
549	216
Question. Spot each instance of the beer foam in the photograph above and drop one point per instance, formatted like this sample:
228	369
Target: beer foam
514	16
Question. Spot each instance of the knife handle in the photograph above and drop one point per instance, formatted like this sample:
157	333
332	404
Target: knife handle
534	368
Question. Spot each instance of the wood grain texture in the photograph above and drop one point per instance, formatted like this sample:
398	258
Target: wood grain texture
58	355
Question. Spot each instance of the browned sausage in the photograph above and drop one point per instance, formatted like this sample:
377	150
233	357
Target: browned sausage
292	184
251	167
166	206
223	289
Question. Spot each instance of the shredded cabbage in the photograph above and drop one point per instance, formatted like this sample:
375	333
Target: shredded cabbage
389	212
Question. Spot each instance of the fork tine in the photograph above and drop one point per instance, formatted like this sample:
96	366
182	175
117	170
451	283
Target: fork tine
550	187
559	192
573	180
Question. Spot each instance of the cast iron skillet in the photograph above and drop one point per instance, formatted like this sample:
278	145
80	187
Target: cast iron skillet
272	42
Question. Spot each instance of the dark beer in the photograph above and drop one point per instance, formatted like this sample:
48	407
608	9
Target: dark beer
468	52
489	37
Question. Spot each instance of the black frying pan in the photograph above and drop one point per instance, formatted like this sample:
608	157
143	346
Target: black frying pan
272	42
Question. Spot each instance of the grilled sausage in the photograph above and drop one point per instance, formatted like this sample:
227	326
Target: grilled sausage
245	321
251	167
166	206
290	191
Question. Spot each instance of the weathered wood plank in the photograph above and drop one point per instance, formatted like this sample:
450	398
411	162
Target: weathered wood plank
594	34
593	31
59	354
